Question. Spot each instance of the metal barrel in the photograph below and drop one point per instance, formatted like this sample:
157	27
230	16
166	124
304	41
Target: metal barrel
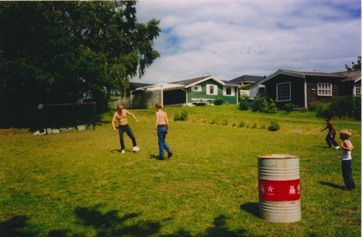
279	188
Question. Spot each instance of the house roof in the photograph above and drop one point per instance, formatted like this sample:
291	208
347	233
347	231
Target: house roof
181	84
302	74
138	84
161	86
353	75
194	81
246	79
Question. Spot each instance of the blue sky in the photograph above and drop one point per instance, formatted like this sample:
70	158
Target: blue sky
231	38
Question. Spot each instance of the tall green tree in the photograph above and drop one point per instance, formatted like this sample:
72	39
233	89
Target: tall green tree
58	52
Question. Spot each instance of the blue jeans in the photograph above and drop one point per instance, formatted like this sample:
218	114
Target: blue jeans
162	145
126	129
347	173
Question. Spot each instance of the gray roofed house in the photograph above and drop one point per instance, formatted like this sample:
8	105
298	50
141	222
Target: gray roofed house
351	85
246	80
248	85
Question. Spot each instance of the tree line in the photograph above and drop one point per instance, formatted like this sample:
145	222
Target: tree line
62	52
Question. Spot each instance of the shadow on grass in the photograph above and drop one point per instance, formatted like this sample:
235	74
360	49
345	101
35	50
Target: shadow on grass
116	151
110	224
251	207
119	151
325	147
157	157
331	185
220	229
13	227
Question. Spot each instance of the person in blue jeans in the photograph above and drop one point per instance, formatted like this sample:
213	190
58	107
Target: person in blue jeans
162	129
346	158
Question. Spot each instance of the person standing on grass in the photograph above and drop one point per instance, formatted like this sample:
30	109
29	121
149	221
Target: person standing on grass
123	127
346	157
162	129
330	138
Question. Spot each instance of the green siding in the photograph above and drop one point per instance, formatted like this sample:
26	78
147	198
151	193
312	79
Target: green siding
196	95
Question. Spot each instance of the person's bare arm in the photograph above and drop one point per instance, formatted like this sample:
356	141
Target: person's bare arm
156	121
132	115
113	120
347	146
155	128
166	120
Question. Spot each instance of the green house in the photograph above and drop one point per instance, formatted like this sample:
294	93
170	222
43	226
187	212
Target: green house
196	91
206	89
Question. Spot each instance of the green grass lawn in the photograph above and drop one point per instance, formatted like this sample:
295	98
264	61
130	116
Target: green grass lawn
79	184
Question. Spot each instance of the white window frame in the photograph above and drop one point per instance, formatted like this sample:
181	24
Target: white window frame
357	89
208	88
324	89
287	96
232	91
196	88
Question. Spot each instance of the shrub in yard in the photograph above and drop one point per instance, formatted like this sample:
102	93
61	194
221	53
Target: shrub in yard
262	104
259	104
244	102
272	107
346	107
183	116
241	124
342	107
288	107
321	110
274	126
218	101
356	112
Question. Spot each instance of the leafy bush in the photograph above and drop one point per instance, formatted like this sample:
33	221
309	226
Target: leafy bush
241	124
342	107
218	101
244	102
272	107
356	111
261	104
321	110
183	116
274	126
288	107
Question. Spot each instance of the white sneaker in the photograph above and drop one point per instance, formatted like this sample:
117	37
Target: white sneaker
337	147
122	151
136	149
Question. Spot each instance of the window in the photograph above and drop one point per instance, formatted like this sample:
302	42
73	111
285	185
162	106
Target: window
324	89
196	88
358	89
229	91
283	91
211	89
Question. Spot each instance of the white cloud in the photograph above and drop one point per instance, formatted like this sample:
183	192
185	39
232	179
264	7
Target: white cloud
232	38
